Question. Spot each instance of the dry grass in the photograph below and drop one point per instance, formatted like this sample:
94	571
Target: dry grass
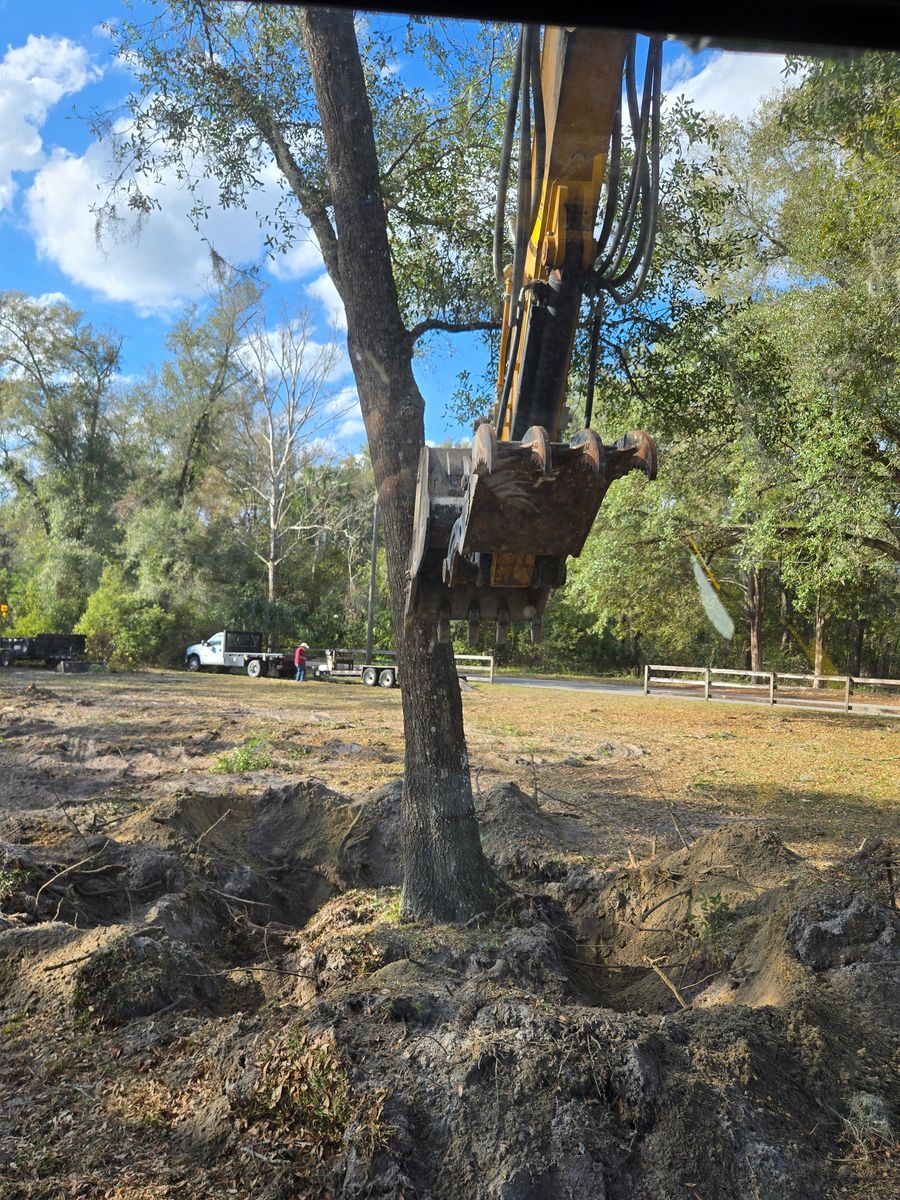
824	781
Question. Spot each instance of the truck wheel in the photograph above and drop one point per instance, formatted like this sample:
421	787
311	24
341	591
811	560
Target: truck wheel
370	676
386	679
193	663
254	668
6	658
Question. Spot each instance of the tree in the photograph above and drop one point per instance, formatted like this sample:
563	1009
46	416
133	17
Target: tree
287	402
58	396
235	86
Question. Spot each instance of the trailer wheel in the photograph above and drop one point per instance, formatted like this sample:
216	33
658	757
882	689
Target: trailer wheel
370	676
386	679
193	663
254	668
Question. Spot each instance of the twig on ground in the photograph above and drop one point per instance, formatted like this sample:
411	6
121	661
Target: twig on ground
68	963
241	967
218	820
62	808
241	899
675	895
652	964
68	870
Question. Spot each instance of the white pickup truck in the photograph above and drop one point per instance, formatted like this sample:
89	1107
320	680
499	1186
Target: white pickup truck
237	648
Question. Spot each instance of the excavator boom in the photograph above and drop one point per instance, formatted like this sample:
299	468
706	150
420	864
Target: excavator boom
494	524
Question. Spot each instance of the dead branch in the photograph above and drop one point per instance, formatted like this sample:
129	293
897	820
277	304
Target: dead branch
675	895
196	844
68	870
652	964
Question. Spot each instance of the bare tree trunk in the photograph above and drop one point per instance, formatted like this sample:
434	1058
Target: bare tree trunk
787	618
858	643
755	610
446	876
819	660
274	557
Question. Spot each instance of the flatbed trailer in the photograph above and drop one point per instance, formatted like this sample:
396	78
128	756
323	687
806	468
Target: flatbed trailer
55	650
347	664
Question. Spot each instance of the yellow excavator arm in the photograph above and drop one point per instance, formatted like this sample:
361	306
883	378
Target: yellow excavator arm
494	524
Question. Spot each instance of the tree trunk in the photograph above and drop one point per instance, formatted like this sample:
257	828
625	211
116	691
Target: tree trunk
274	556
787	619
858	643
819	660
446	876
755	608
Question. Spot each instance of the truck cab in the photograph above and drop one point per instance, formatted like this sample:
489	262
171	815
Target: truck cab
210	653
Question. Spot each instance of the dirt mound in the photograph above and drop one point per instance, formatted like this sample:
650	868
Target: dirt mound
521	838
491	1077
230	976
136	975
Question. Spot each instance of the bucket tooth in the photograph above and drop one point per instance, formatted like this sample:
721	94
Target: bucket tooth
633	451
593	456
537	440
537	630
484	449
474	618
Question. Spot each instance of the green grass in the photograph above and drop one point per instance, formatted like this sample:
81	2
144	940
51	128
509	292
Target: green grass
254	754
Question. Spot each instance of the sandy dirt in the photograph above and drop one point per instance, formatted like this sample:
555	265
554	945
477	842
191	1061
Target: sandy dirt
692	990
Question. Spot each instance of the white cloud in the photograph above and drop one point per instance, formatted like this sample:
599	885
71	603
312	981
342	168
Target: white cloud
352	428
33	78
48	298
731	84
301	259
167	261
323	289
345	401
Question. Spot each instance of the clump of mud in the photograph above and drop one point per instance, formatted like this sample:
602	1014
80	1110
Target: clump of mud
717	1021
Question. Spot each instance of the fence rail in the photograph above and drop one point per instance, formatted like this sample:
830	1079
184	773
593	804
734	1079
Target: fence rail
707	681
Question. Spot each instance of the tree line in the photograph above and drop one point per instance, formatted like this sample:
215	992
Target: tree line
763	357
146	514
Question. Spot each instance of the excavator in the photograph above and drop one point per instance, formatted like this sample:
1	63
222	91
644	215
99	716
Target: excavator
494	523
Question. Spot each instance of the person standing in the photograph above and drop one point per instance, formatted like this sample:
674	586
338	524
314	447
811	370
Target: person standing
300	662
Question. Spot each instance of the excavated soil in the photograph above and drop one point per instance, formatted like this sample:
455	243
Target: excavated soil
213	995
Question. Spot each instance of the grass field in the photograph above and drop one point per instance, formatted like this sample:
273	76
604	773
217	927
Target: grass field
823	782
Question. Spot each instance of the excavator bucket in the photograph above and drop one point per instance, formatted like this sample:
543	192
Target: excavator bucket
494	525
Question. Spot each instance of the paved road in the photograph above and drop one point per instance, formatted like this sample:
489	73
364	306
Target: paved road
723	694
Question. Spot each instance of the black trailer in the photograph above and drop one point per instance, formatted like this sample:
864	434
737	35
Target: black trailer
52	649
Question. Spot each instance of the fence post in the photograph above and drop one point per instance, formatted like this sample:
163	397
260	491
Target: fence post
706	685
847	690
491	677
646	679
771	687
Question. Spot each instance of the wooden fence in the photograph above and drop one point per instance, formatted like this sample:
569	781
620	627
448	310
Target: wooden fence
771	685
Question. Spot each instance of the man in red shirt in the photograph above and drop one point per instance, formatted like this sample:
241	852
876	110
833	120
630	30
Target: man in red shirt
300	662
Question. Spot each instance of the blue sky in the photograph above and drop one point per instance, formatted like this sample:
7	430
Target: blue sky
56	66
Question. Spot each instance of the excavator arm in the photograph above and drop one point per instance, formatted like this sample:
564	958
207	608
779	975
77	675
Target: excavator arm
494	524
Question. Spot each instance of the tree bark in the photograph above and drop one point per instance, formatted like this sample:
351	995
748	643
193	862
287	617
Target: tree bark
858	644
819	659
755	608
787	618
446	876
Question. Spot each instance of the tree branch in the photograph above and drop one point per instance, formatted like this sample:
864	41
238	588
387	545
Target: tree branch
433	323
